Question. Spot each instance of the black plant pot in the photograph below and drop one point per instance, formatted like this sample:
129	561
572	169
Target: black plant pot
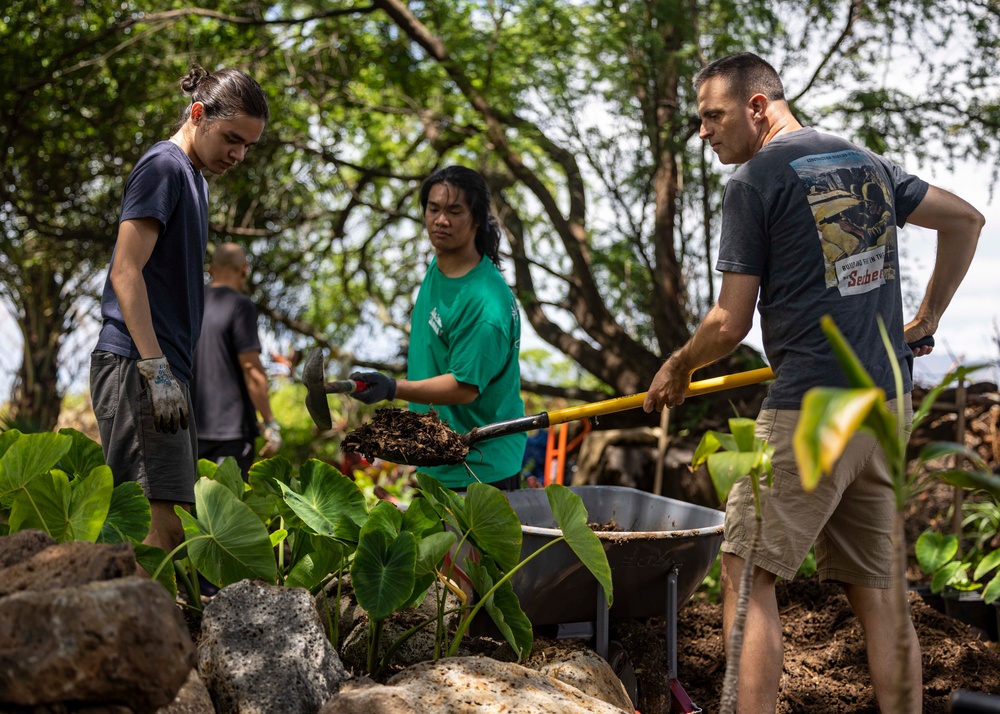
970	609
935	600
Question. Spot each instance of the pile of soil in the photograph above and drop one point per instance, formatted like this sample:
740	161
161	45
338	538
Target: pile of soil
405	437
825	666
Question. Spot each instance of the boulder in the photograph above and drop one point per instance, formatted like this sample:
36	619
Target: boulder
110	642
68	565
575	664
192	699
468	685
20	546
263	649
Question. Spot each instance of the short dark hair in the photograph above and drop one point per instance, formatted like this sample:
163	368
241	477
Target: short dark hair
746	74
477	194
225	94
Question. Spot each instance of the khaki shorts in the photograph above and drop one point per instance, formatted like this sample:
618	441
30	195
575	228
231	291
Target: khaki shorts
849	516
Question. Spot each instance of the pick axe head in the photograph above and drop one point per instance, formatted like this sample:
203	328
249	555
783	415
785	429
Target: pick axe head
315	381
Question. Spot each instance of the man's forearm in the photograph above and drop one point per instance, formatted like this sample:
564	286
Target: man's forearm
130	289
257	385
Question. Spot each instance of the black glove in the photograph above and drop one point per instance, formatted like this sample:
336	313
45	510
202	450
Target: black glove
379	387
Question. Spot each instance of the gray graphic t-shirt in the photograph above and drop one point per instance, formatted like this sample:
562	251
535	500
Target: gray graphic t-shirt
815	217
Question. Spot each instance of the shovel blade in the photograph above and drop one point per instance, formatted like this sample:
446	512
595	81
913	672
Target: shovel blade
315	381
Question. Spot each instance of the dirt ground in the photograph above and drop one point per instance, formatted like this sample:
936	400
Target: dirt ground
825	667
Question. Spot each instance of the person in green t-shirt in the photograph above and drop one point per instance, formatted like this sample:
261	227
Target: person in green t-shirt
465	333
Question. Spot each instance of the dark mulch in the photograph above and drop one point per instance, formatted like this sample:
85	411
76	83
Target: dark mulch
825	666
405	437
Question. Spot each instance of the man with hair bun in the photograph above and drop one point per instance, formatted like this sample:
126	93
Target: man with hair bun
154	295
465	333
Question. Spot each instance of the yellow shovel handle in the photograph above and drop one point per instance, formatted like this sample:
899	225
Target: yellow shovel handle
620	404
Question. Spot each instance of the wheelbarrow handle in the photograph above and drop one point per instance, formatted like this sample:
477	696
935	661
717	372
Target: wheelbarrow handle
610	406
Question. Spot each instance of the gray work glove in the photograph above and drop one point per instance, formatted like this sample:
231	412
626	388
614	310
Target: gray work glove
272	439
379	387
165	395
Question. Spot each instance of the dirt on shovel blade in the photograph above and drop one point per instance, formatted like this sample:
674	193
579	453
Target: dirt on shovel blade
405	437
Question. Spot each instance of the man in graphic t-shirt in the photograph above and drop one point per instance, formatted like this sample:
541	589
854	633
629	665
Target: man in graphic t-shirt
809	228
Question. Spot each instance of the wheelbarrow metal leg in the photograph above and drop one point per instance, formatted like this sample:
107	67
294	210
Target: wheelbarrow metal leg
680	702
602	624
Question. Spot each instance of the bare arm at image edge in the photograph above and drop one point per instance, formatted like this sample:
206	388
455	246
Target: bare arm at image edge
958	225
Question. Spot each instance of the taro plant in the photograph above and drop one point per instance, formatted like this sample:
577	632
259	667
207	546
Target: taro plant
731	457
400	556
941	557
306	528
58	483
831	416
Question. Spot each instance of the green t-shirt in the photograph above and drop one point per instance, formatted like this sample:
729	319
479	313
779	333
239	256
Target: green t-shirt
470	327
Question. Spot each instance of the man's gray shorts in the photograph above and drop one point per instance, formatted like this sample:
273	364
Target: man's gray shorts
164	464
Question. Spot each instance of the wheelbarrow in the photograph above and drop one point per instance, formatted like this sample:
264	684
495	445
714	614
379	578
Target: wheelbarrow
659	554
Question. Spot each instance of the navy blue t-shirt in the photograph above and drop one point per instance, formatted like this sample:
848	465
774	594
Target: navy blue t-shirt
815	217
166	186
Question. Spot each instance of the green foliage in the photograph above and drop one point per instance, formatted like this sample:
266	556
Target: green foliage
735	455
978	566
59	484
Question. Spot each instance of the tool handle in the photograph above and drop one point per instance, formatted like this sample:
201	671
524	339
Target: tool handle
702	386
345	386
927	341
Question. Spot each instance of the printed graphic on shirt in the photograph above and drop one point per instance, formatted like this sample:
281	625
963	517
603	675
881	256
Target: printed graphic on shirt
435	321
850	202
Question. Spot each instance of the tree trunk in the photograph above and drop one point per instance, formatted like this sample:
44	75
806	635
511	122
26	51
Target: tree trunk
42	314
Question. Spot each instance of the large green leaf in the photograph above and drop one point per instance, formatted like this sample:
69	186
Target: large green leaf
151	558
991	593
27	458
43	503
431	550
128	515
323	496
743	433
383	571
324	557
65	511
493	526
988	563
502	605
571	515
934	549
726	467
449	506
708	445
84	454
230	476
7	438
89	505
829	419
226	542
949	574
421	519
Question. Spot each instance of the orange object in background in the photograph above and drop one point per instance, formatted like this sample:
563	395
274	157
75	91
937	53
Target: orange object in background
555	456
